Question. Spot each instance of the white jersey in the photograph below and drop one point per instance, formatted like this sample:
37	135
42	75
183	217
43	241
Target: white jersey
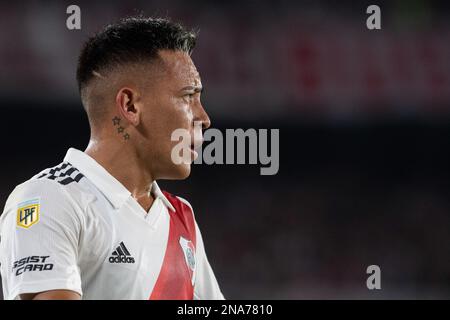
76	227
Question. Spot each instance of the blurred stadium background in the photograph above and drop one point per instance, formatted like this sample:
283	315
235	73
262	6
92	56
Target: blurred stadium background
364	119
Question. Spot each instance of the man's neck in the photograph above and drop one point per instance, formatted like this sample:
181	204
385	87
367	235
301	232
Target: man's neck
123	164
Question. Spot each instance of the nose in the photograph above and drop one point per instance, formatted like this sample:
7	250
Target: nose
203	117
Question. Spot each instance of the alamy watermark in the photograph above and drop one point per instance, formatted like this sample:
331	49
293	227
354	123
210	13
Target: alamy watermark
73	21
233	143
374	279
373	22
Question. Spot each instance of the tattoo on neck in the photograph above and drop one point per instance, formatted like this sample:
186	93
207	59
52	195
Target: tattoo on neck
120	129
116	121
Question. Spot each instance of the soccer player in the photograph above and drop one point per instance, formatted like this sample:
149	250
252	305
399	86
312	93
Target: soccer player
97	226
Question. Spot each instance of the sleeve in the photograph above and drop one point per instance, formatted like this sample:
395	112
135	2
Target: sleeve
39	231
206	286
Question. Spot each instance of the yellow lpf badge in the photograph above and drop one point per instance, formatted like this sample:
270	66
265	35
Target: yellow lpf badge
28	213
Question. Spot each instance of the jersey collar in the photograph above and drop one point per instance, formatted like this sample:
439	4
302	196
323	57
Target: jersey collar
113	190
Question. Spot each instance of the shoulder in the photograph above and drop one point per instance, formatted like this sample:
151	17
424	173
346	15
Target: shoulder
64	174
51	188
35	189
55	180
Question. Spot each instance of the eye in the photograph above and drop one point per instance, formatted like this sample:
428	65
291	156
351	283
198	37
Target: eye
190	95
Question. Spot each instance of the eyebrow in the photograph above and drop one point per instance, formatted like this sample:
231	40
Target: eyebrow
190	88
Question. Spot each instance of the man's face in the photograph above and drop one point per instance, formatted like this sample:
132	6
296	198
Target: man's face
171	102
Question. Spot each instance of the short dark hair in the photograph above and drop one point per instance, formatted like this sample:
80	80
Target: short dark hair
132	39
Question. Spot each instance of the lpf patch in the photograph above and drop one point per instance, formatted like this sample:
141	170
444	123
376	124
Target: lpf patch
189	255
28	213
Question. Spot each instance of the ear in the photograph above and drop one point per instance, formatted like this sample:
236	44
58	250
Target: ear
127	103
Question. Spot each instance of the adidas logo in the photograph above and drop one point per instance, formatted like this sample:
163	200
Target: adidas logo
121	255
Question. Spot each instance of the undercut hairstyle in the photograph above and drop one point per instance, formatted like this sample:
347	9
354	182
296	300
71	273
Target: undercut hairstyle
131	40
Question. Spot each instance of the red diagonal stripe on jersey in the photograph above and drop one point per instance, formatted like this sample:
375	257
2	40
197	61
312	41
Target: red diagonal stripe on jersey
174	280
